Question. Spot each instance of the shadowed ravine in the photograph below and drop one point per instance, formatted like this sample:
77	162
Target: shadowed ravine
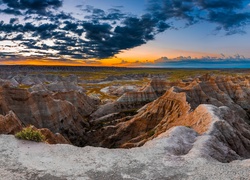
204	117
82	121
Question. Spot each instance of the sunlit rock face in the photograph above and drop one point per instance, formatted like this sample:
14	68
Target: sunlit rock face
133	100
150	92
214	110
222	124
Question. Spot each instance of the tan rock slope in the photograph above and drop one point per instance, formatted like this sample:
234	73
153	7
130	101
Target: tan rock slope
224	127
196	130
133	100
119	125
10	124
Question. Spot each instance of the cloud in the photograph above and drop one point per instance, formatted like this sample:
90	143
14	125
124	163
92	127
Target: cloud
96	14
227	14
11	11
32	6
123	62
235	61
223	57
103	34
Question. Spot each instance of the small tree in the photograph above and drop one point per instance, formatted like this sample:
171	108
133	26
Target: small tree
31	134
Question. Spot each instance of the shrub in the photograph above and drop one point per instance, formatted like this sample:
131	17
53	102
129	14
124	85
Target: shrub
31	134
151	133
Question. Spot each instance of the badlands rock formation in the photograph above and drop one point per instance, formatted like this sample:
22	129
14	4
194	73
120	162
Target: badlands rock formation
196	129
181	106
10	124
133	100
178	154
150	92
45	111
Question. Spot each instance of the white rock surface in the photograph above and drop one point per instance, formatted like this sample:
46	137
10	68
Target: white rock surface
157	159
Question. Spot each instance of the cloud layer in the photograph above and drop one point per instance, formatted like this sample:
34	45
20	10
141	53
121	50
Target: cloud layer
229	15
236	61
41	29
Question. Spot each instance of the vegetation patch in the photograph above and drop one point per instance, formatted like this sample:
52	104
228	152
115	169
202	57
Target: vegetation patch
31	134
151	133
23	86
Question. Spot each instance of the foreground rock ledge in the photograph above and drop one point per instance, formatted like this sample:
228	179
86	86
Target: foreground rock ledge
22	160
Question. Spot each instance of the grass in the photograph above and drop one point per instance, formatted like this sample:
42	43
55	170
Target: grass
23	86
94	88
180	74
30	134
102	74
151	133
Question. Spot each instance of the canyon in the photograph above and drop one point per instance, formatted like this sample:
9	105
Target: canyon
181	128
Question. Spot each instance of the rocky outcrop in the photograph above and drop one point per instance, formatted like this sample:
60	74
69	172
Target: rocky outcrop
180	106
150	92
10	124
141	128
43	111
133	100
121	124
84	104
209	132
52	138
56	87
118	90
166	157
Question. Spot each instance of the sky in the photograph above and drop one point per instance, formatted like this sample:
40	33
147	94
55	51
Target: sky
148	33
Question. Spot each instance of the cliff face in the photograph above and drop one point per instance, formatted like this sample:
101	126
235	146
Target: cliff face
150	92
119	125
44	111
181	106
10	124
84	104
133	100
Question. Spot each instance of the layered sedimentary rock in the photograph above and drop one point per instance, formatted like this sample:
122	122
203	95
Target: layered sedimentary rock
120	124
150	92
119	90
43	111
52	138
180	106
133	100
84	104
56	87
10	124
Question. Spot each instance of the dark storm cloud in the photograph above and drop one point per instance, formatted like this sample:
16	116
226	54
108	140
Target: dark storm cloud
99	14
32	6
11	11
73	27
232	23
225	13
132	32
43	31
224	4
